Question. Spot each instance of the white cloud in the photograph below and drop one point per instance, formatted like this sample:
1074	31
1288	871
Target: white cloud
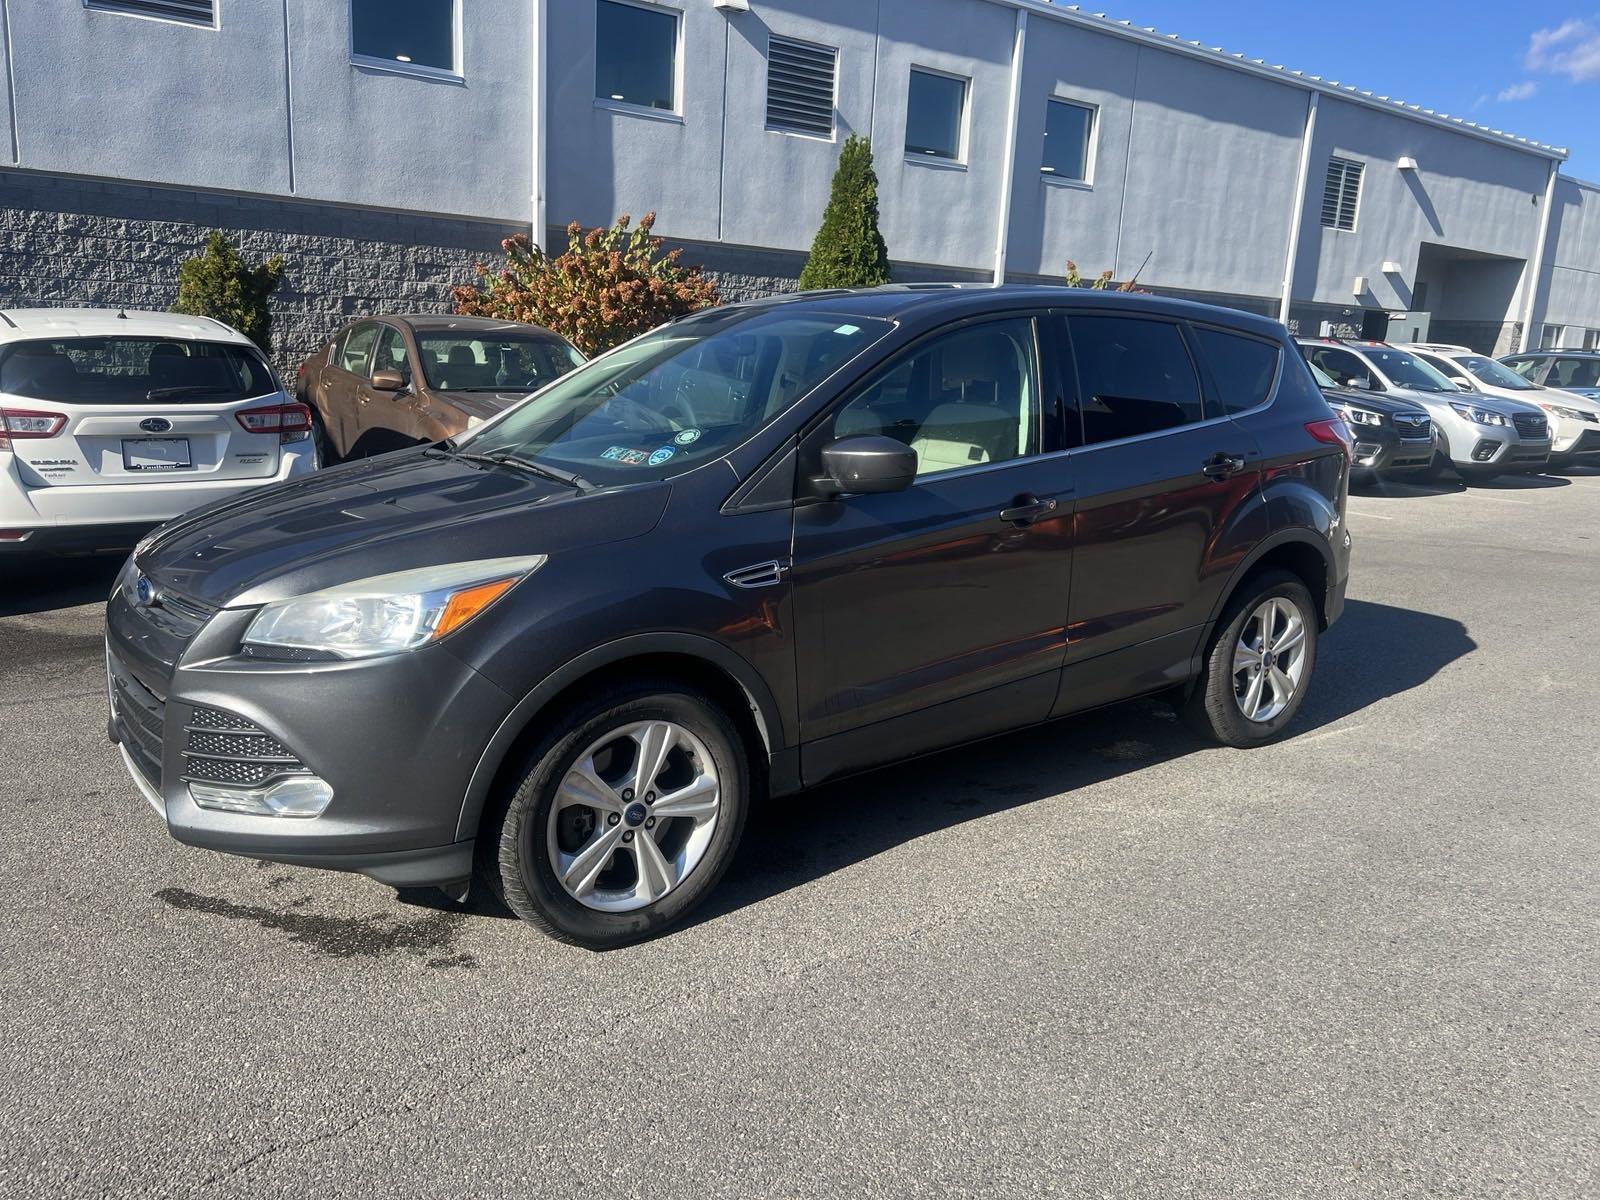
1572	49
1518	91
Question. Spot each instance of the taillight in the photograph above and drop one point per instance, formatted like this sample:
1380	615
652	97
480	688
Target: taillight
17	424
292	422
1334	432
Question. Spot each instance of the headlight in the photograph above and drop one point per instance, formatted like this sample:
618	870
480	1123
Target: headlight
1360	416
1481	415
1566	414
387	613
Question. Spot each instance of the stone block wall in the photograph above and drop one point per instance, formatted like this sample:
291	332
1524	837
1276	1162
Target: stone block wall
68	241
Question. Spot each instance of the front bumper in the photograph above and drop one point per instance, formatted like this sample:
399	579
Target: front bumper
1379	448
1584	445
397	739
90	518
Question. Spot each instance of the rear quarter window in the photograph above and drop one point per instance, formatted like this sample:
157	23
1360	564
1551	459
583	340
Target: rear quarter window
1243	369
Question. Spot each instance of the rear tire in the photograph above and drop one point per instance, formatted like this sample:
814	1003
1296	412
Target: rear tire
1265	644
614	871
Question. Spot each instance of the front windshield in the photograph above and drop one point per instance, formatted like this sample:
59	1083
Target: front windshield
462	361
1496	374
1405	371
678	397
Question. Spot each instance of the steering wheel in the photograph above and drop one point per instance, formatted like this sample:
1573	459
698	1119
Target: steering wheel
680	401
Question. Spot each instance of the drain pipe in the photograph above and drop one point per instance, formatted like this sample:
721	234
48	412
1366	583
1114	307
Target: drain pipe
1530	333
1297	215
541	106
1002	233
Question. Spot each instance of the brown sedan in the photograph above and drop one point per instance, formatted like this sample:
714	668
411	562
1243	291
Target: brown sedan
368	396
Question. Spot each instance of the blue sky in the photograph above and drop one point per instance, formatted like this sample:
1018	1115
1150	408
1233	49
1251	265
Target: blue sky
1531	68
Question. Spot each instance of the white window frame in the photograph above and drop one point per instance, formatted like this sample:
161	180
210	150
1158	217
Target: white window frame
1554	333
1090	151
930	160
1591	339
675	113
838	56
216	16
1361	189
418	70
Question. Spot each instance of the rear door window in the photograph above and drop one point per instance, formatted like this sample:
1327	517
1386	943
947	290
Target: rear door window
1135	376
356	354
133	370
1243	369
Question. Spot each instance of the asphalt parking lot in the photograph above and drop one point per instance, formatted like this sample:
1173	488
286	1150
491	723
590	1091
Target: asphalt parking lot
1095	959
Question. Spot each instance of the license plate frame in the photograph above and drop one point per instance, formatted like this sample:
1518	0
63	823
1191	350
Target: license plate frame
142	454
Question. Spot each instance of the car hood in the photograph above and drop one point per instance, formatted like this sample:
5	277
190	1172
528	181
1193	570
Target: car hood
481	404
1578	398
1357	398
411	509
1431	400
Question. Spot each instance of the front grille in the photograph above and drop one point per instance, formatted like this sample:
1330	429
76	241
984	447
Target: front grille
140	717
223	747
1413	427
1531	425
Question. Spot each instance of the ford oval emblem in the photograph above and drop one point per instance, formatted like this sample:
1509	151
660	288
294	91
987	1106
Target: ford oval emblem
142	591
155	424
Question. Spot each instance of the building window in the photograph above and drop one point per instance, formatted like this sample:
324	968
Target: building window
800	86
417	36
1341	194
1550	337
1068	140
636	55
188	12
1591	339
936	112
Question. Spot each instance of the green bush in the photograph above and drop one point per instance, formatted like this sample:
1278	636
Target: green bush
610	285
218	283
849	250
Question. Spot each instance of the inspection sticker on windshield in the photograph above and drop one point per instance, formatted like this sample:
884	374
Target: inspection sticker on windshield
847	330
661	456
622	454
687	437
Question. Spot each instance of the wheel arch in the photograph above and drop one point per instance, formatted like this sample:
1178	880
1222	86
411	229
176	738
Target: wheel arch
1299	551
688	658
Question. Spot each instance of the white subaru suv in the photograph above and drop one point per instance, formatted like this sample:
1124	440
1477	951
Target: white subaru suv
112	422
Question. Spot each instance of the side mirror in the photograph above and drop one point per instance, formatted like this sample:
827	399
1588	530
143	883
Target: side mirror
1463	385
388	380
868	464
1362	382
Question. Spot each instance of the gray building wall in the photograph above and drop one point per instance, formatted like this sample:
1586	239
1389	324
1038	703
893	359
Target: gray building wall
1573	283
270	102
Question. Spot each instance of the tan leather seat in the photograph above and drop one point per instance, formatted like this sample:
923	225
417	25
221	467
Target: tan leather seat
981	420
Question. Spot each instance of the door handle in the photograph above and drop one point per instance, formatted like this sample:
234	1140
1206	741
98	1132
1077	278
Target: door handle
1026	510
1222	466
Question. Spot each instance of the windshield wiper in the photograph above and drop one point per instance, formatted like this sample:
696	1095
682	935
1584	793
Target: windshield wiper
570	478
167	393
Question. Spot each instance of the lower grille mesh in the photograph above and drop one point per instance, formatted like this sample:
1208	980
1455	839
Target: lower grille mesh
226	748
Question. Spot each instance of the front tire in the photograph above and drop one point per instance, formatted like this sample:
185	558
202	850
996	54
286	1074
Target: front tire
1259	664
626	816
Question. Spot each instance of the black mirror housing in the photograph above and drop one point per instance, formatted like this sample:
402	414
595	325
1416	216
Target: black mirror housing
869	464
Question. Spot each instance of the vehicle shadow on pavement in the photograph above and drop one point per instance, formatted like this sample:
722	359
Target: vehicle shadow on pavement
43	585
1373	652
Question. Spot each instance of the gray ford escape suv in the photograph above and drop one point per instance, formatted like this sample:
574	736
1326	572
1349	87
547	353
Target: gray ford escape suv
762	547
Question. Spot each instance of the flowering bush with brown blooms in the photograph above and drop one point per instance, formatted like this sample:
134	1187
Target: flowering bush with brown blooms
1101	282
610	285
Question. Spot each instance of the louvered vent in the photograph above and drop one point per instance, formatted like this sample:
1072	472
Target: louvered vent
1341	194
800	82
190	12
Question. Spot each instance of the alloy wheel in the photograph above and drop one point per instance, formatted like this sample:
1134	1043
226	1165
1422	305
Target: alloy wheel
633	816
1269	659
